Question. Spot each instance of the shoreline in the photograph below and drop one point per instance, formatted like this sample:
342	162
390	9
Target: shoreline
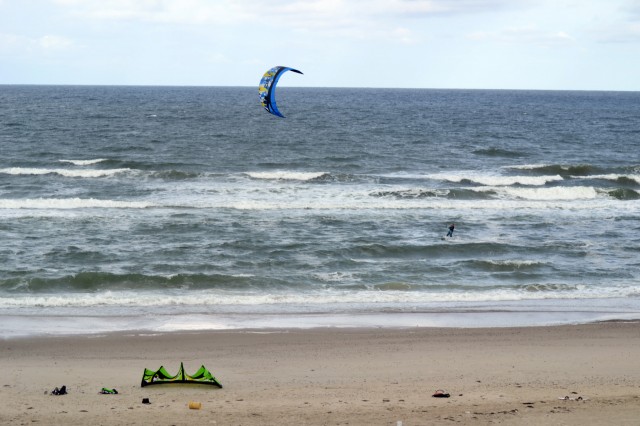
100	320
332	376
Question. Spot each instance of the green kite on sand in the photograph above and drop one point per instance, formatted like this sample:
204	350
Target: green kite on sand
161	376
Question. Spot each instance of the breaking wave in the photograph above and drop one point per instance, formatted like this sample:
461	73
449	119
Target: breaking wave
84	162
75	173
559	169
388	293
489	180
624	194
70	203
286	175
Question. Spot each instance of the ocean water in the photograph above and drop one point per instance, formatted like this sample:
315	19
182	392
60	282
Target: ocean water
181	208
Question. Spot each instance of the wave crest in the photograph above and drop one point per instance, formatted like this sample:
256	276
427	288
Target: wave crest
70	203
286	175
93	173
560	169
84	162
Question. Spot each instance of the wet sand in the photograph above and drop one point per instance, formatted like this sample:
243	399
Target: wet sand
332	376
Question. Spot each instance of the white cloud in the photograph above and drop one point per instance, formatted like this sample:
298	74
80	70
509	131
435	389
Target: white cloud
632	7
296	14
335	19
422	8
10	41
625	28
161	11
629	33
54	42
217	58
403	35
46	43
523	35
386	8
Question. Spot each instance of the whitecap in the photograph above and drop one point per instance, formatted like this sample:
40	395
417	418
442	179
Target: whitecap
84	162
63	172
286	175
504	180
70	203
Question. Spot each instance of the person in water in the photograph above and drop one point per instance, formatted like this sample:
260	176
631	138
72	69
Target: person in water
451	228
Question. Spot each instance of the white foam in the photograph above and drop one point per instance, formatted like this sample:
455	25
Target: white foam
329	199
556	193
63	172
542	200
497	180
70	203
286	175
515	263
320	300
334	276
463	319
84	162
530	166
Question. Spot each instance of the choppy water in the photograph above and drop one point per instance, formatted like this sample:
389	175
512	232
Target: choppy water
169	208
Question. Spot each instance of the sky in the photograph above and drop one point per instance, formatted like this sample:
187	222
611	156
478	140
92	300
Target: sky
464	44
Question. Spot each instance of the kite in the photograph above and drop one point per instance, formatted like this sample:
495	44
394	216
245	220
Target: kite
160	376
267	88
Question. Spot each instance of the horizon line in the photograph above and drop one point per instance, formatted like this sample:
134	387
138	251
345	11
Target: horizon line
315	87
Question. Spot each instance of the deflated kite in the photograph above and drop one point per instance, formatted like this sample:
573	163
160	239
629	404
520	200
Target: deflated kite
160	376
267	88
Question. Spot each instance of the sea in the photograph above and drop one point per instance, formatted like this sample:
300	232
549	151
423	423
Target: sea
157	209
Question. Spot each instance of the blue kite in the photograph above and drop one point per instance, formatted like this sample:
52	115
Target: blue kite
267	88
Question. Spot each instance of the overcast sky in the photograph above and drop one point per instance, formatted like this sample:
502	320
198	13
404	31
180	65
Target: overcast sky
492	44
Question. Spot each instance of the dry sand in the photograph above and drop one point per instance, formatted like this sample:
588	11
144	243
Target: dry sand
332	377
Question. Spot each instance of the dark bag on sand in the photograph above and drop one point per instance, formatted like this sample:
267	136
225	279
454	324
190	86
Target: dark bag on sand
61	391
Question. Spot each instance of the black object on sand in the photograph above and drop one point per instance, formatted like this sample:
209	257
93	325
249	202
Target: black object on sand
61	391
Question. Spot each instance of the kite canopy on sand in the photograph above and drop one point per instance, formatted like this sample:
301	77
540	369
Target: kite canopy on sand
161	376
267	88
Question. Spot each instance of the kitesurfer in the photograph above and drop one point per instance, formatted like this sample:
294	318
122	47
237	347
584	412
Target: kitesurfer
451	228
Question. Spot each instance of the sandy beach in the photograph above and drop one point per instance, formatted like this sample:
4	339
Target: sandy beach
332	377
